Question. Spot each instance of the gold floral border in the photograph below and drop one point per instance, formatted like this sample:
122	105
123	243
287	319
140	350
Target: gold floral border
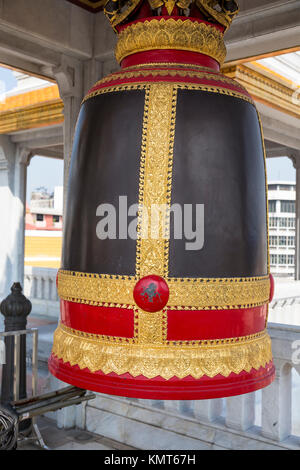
96	289
155	184
168	72
212	358
156	177
186	35
167	64
178	85
185	293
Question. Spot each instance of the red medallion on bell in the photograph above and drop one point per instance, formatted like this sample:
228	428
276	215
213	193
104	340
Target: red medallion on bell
151	293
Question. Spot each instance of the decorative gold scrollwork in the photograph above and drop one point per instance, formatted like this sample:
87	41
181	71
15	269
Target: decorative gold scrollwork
208	358
180	34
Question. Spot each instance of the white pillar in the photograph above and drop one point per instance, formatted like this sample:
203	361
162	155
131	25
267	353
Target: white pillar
208	411
240	411
13	171
296	162
70	80
277	404
74	79
173	406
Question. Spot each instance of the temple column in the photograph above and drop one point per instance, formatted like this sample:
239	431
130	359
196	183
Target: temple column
13	172
296	162
69	77
74	79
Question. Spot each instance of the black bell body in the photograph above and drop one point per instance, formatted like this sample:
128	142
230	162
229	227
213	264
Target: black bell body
165	281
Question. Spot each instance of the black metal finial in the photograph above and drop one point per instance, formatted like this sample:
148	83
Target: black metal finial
15	308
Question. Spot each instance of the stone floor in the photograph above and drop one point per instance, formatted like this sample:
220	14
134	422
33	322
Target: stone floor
71	439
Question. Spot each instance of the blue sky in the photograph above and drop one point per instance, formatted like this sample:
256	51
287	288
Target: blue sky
280	169
48	172
44	171
7	79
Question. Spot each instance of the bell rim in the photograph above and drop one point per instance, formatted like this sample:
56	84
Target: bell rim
174	389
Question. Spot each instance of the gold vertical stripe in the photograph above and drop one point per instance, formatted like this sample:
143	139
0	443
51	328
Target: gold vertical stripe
155	180
152	255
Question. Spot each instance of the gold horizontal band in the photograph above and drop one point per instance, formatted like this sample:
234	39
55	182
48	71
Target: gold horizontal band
177	34
167	64
185	293
169	72
96	289
209	358
179	86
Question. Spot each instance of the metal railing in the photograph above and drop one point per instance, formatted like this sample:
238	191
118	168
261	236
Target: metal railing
12	414
17	347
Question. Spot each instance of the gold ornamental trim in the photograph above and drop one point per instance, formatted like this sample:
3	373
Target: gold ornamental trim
155	181
168	72
179	85
265	87
117	15
177	34
212	10
223	16
31	117
218	294
167	64
210	358
155	184
96	289
185	293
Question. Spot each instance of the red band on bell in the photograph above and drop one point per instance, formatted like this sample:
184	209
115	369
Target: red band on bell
183	325
188	325
108	321
170	56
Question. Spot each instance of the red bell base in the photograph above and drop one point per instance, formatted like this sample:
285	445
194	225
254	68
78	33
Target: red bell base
161	389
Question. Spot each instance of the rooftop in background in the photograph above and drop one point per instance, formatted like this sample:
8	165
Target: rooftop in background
281	183
32	103
43	202
286	66
27	83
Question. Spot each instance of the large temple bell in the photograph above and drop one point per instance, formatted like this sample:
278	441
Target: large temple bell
170	303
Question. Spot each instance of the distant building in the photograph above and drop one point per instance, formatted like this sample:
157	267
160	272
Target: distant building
282	217
45	211
43	228
43	235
